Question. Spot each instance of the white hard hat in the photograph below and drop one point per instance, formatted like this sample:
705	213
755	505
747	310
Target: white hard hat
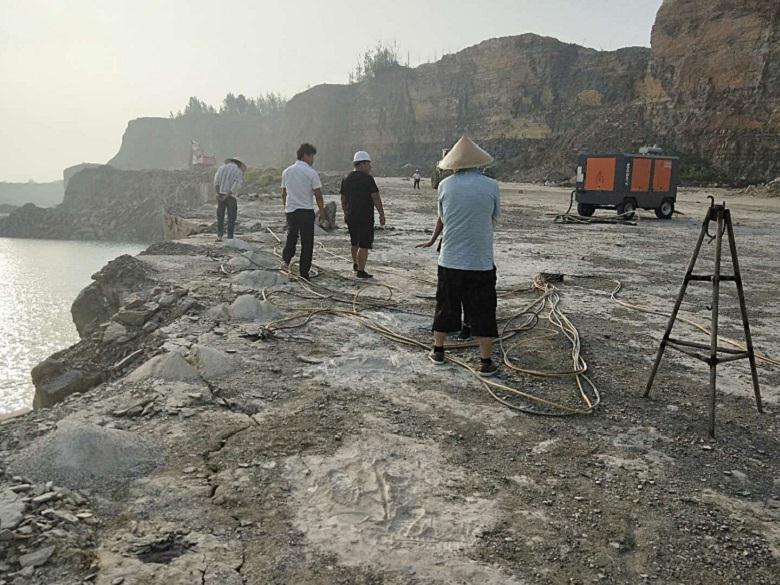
361	156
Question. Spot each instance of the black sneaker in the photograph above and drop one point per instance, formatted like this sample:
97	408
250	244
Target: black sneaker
354	267
465	333
488	369
363	274
437	357
305	277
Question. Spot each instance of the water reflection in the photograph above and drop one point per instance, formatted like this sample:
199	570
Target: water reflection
39	279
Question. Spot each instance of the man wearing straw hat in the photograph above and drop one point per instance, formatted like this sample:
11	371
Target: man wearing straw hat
469	205
227	182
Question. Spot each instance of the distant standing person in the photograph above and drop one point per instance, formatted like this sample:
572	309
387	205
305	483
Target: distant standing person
416	177
359	196
227	182
301	187
469	206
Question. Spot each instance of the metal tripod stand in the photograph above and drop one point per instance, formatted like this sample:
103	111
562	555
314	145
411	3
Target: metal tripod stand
722	216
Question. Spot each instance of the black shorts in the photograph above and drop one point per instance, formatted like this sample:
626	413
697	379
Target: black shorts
361	233
473	291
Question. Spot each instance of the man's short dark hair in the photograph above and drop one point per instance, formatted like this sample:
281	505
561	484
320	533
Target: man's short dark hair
305	149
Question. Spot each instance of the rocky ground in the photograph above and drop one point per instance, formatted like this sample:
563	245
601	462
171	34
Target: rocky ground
221	449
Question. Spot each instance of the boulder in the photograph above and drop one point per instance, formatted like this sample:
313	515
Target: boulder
178	228
212	363
259	279
220	312
114	332
168	366
54	381
237	243
115	282
134	300
89	309
11	510
248	308
167	300
37	558
253	261
133	317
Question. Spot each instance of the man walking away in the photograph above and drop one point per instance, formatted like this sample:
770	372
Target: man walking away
359	196
469	205
227	182
416	177
301	186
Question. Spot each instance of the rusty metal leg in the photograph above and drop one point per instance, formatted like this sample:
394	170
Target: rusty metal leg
743	308
677	304
714	326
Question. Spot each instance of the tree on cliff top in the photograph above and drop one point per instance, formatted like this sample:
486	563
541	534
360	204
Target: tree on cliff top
264	105
196	107
375	61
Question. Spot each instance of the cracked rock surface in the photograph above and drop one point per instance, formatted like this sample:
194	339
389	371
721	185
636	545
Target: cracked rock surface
326	454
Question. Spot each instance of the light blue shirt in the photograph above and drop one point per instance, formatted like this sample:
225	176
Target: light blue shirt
469	205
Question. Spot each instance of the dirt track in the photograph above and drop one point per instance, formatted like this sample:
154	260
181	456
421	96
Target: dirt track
332	455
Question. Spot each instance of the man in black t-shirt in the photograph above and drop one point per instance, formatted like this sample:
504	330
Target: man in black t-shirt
359	196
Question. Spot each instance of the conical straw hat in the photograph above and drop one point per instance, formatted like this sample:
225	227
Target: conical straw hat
236	160
465	155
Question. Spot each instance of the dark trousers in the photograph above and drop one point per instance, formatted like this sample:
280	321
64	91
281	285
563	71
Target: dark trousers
471	291
230	204
300	221
417	183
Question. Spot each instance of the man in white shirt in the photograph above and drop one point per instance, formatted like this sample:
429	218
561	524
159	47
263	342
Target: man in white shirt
416	176
301	186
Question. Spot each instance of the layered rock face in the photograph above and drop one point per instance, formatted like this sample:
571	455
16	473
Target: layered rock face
163	143
70	172
708	90
523	98
715	84
108	204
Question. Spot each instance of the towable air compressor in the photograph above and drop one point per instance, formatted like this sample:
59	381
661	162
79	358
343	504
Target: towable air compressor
627	182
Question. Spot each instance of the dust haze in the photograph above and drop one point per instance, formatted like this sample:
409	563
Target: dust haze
76	72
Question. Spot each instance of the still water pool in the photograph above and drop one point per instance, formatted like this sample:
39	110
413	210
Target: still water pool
39	280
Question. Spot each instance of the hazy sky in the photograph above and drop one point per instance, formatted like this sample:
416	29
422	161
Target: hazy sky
74	72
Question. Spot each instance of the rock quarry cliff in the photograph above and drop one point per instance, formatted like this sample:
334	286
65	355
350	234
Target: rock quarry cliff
103	203
707	90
